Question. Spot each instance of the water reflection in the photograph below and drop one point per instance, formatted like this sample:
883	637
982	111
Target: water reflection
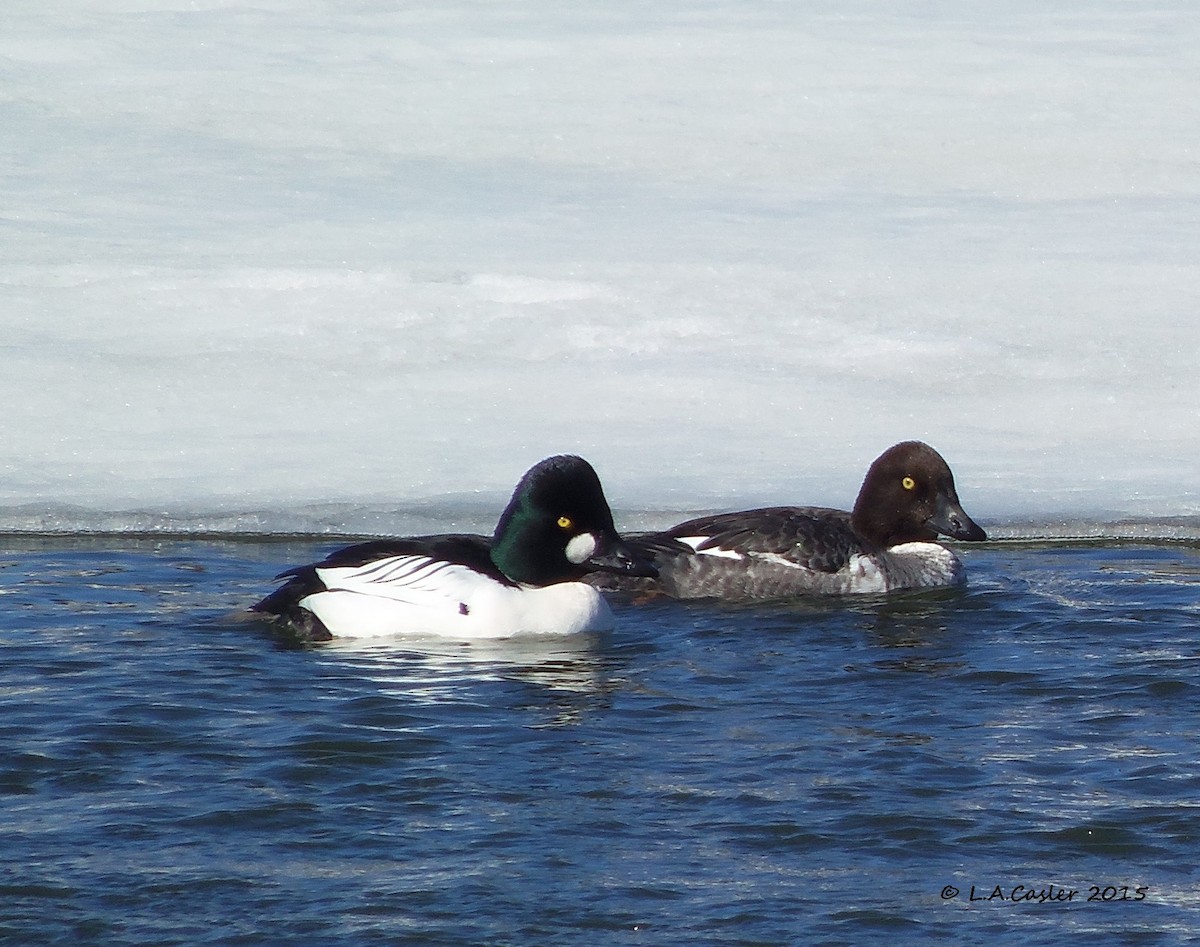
562	678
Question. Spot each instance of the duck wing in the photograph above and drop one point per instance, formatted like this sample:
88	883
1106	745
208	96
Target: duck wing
423	570
813	538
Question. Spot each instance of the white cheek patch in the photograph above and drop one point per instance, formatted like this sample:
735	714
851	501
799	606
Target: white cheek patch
696	541
581	548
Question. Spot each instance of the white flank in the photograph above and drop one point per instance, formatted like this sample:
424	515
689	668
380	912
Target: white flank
423	596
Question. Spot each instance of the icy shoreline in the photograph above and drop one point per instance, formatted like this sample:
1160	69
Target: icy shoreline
257	258
351	521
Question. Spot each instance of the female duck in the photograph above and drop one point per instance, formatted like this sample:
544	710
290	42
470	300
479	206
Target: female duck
886	543
524	580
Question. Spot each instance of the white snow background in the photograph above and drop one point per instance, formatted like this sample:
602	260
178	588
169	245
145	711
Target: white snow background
333	266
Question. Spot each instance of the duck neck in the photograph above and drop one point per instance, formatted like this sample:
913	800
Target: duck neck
524	555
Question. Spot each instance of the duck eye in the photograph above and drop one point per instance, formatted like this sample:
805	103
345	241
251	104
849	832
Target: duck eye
565	522
908	483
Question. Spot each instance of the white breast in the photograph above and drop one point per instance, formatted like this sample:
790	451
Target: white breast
920	566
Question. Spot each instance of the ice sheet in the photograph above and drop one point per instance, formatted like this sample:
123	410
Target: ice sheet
282	267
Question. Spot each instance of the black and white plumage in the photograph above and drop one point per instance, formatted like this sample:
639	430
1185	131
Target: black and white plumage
525	579
887	543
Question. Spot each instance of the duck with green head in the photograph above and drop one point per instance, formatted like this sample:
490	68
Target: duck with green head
525	579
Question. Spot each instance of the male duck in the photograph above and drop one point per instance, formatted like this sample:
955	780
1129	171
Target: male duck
525	579
887	543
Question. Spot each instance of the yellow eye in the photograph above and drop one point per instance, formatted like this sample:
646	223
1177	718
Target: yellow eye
908	483
565	522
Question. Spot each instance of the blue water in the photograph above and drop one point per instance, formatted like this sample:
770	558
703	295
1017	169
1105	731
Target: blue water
817	773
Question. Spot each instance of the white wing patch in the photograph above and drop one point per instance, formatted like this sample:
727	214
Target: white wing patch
777	560
415	580
695	542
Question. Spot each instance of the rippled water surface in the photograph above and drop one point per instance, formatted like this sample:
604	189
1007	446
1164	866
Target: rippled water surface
812	773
